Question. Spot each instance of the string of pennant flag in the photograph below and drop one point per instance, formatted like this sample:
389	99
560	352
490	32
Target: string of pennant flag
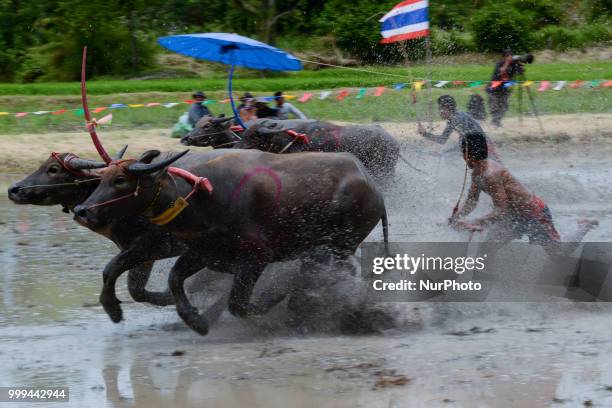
341	94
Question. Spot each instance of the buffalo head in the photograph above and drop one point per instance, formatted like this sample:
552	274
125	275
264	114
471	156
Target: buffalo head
126	188
61	179
209	131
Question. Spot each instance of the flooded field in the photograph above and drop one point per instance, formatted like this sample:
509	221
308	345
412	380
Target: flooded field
54	333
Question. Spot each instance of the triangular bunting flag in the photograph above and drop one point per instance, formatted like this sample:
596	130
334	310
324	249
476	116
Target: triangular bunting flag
544	85
304	98
343	94
379	91
576	84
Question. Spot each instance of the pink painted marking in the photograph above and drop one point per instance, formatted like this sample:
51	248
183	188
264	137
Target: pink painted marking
335	134
257	170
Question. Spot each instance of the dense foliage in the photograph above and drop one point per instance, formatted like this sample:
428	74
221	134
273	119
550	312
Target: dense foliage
42	40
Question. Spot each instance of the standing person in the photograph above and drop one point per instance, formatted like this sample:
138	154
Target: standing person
198	109
285	108
505	70
461	122
263	110
516	211
244	100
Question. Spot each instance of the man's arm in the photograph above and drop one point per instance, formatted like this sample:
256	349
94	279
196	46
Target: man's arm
500	203
437	138
470	202
298	114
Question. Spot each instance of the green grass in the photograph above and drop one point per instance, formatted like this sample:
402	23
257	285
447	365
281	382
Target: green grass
309	80
392	106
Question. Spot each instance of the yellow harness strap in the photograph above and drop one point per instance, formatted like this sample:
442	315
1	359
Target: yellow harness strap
171	212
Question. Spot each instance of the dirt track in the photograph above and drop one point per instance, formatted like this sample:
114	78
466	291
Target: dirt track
22	153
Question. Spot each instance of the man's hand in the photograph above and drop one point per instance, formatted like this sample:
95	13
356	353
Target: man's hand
467	226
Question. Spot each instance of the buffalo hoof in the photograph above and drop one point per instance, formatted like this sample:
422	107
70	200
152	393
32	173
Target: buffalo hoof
197	323
113	310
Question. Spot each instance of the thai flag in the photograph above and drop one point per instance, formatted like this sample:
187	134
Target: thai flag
407	20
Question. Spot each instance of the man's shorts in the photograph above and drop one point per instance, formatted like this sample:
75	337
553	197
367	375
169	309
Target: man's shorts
536	222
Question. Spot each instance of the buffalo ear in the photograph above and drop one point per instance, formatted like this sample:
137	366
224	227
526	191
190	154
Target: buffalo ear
139	168
148	156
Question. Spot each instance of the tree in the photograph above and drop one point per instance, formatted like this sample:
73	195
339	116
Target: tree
500	26
267	13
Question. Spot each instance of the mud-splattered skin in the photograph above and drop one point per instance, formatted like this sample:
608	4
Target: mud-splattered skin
377	149
264	208
141	243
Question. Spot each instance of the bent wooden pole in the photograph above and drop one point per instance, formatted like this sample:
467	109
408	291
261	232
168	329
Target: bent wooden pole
91	125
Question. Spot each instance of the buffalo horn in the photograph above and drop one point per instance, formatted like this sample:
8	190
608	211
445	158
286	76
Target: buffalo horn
221	119
120	153
146	168
83	164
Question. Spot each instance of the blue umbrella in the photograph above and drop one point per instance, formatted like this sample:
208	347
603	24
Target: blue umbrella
233	50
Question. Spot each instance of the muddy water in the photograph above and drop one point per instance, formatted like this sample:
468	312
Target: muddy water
52	332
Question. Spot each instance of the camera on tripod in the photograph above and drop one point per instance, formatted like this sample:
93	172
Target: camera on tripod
523	59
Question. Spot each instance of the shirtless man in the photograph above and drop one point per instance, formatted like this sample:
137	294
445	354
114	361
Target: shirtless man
460	122
517	212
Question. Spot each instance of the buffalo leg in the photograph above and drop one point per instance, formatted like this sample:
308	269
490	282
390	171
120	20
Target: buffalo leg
108	298
137	282
240	296
187	265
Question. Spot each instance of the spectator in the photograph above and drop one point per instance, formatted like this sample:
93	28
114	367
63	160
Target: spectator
247	97
198	109
263	110
247	113
505	70
285	108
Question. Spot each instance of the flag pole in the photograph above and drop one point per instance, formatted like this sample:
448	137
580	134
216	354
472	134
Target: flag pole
429	95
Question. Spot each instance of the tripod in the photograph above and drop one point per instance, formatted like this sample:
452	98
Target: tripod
531	101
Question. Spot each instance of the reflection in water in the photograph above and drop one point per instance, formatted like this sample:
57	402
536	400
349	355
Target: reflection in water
49	265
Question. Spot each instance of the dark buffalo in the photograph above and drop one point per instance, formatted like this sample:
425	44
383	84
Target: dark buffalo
264	208
375	147
67	180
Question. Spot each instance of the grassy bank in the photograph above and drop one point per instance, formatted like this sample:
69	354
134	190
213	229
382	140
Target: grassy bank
393	105
310	80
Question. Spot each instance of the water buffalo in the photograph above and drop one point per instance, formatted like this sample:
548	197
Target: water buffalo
262	208
377	149
66	180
